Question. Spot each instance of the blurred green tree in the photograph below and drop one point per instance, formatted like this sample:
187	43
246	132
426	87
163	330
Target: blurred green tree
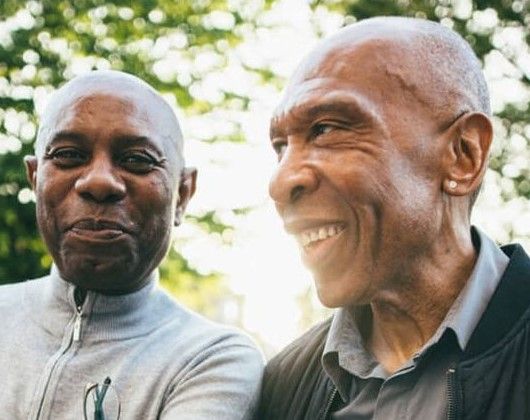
173	45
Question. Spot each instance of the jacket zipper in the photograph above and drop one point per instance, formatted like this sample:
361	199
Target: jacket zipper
75	336
453	396
79	298
329	403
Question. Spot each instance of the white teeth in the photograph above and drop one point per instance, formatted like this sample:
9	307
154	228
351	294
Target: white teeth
319	234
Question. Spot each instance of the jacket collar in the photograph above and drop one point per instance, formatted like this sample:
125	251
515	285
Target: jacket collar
507	306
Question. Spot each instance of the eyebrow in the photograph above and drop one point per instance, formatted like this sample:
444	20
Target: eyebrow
133	140
120	139
67	135
349	105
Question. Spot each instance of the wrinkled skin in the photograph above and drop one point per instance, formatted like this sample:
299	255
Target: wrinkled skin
355	150
362	153
108	187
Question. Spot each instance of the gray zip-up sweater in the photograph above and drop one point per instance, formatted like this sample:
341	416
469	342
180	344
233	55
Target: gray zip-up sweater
164	362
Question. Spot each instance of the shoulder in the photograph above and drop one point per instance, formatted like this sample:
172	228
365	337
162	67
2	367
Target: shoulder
294	382
519	264
199	343
303	351
508	312
14	294
218	370
496	365
220	344
200	333
289	366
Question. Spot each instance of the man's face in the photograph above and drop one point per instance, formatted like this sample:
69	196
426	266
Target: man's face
106	191
357	182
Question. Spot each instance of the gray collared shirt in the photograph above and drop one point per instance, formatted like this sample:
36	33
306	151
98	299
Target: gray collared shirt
418	389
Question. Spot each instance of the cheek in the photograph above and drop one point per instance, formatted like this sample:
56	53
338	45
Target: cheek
52	195
48	216
412	214
417	194
360	176
155	200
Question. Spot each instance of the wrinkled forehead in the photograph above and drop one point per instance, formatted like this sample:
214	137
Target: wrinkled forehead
110	106
372	68
76	99
136	106
405	68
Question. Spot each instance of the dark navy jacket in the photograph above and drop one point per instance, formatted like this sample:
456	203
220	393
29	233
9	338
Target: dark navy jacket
491	381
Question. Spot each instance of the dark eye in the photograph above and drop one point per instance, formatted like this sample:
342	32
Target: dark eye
279	147
138	162
67	157
321	129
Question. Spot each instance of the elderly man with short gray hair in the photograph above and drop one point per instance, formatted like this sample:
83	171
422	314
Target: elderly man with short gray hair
382	139
98	338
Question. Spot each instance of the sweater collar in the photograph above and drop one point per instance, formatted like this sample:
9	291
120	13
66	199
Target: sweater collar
104	317
99	303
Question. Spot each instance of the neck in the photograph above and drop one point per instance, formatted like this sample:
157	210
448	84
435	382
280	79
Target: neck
407	315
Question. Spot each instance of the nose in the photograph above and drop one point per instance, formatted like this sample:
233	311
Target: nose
100	182
294	177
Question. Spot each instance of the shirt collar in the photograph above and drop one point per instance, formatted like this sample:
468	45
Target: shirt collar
344	350
469	306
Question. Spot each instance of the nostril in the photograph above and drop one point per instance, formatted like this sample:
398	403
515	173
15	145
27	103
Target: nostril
100	187
297	192
292	180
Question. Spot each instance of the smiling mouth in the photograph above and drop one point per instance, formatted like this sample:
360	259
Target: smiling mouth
310	237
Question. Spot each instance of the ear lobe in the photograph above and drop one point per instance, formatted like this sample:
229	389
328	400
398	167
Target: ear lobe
467	154
31	163
188	179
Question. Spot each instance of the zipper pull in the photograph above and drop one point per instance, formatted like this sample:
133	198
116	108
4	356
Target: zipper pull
453	395
79	297
77	325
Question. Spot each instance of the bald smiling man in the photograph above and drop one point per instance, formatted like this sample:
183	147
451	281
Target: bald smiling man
382	139
97	338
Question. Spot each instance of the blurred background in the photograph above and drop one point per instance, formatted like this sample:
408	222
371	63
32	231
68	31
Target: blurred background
222	64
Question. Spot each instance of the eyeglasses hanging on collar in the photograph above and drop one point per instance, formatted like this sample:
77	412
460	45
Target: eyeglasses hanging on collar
101	402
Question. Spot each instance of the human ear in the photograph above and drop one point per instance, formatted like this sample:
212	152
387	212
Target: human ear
31	170
188	179
466	157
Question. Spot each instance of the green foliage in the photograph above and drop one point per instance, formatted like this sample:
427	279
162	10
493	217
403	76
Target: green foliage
46	42
194	290
41	42
209	221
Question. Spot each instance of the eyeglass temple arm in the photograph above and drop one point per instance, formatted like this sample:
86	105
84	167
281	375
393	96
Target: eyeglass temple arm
100	396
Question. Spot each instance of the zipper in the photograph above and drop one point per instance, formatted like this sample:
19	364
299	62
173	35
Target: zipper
76	334
329	403
79	297
453	395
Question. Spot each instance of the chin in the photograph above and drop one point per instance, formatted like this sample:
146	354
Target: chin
337	294
329	297
111	276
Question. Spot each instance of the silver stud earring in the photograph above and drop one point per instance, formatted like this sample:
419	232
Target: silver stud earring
452	184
